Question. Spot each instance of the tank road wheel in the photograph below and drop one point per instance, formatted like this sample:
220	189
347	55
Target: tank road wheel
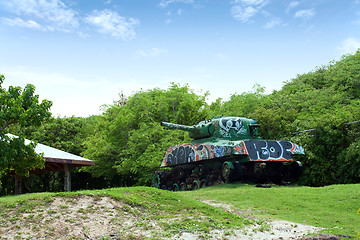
156	181
227	170
183	186
195	185
203	183
175	187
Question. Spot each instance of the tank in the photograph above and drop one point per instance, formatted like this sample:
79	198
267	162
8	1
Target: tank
226	149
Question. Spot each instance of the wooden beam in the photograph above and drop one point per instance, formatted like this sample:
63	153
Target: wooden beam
18	185
67	178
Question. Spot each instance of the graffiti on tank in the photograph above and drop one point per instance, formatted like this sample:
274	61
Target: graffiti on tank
240	148
187	153
180	154
226	124
218	151
201	152
270	150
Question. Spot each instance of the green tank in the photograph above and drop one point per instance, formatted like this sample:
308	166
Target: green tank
226	149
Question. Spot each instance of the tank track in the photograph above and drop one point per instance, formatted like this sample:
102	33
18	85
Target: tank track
194	176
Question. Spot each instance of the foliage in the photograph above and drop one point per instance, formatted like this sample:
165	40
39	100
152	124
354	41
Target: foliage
326	100
66	134
20	106
244	104
129	140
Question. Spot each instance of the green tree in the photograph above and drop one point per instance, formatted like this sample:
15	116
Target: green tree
129	141
241	105
20	106
323	101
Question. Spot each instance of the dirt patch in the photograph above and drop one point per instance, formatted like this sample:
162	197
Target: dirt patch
84	217
95	217
276	229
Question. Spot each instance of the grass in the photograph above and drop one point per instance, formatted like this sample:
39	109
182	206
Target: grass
333	207
336	208
174	214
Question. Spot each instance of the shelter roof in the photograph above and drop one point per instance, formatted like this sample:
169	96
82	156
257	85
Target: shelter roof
55	158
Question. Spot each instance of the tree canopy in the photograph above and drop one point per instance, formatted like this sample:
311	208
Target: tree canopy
129	140
22	107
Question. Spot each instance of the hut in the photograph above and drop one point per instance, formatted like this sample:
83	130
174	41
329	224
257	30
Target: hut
55	160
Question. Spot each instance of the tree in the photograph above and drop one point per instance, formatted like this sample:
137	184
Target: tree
325	100
129	141
20	106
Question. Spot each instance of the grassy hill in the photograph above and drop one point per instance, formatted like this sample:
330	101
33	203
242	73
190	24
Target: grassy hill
335	207
148	213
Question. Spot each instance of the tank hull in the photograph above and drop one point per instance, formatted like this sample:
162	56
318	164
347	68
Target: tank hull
251	150
196	165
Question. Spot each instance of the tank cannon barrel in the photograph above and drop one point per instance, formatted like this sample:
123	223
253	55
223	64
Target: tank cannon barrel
201	130
177	126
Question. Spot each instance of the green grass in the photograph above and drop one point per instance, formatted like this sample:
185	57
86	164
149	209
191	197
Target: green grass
333	207
173	213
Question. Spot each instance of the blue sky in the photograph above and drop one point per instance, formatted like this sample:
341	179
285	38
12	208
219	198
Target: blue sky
81	54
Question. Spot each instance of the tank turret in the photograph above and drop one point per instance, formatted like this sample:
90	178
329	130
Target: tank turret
230	128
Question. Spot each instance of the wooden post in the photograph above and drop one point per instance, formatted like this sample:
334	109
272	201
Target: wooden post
18	183
67	178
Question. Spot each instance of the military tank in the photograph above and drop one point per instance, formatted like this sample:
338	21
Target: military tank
226	149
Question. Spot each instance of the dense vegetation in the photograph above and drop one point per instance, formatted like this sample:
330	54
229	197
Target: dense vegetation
128	143
20	107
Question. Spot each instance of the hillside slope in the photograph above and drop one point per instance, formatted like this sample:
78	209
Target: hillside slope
138	213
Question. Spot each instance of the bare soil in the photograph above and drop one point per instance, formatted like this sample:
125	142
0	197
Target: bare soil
94	217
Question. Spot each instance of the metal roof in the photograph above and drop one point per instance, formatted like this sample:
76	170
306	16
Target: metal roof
55	158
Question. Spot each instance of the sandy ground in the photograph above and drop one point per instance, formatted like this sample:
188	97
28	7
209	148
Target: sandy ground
93	217
278	229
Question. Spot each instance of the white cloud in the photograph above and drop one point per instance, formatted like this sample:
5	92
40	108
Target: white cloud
292	5
243	13
349	46
153	52
272	23
305	14
110	22
165	3
244	10
54	14
18	22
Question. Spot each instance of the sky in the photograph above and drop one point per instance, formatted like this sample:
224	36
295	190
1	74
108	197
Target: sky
82	54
